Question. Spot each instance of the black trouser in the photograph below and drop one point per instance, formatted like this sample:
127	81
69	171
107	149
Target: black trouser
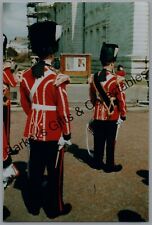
104	135
44	154
7	162
6	121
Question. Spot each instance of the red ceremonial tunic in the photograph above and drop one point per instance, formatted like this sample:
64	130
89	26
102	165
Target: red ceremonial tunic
114	90
8	77
45	105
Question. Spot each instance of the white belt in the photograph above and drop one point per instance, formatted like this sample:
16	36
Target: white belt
44	107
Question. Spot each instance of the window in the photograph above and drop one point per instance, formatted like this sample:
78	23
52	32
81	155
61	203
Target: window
13	95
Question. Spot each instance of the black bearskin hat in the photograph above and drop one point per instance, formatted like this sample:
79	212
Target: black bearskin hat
4	43
44	37
108	53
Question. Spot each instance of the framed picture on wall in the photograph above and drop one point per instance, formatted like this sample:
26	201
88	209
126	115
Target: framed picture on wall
76	64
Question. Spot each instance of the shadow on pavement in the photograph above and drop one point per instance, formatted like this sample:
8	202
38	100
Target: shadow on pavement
129	216
6	212
21	182
81	154
144	174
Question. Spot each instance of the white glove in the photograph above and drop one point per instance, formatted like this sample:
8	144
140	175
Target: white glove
9	172
63	142
7	64
67	142
120	121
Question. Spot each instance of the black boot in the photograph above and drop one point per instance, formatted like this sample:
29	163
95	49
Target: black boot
66	209
115	168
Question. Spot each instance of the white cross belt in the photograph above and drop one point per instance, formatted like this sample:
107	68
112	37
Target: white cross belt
44	107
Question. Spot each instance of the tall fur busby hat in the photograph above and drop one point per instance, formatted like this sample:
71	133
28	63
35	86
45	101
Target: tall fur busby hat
108	53
44	37
4	43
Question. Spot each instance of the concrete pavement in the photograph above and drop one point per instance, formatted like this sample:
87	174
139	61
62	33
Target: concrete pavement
95	196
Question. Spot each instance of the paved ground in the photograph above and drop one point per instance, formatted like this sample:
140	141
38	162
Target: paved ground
134	92
94	195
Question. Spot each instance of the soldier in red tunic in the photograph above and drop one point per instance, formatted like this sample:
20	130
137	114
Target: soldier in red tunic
109	109
44	100
9	169
8	81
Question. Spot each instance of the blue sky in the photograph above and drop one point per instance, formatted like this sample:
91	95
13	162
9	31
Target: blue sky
14	20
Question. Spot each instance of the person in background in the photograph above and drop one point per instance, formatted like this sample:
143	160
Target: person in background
109	109
120	73
44	100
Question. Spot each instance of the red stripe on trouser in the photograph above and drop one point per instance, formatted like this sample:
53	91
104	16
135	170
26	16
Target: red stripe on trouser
60	179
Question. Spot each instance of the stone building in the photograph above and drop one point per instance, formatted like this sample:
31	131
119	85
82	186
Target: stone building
86	25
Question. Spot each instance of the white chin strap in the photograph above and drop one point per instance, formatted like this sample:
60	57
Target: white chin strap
58	32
